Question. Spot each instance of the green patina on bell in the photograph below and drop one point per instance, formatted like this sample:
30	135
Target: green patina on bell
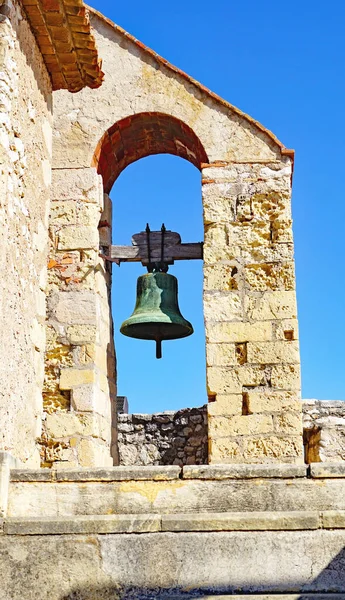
156	314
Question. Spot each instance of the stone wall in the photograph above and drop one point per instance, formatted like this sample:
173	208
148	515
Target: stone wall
25	174
79	390
324	430
253	362
253	372
168	438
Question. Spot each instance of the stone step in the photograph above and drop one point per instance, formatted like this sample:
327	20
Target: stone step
168	490
152	523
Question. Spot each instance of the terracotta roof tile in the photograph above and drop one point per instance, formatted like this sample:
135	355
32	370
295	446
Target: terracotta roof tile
63	33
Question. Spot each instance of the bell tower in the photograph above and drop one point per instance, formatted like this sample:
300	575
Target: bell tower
252	349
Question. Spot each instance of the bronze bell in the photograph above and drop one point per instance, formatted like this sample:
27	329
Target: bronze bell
156	314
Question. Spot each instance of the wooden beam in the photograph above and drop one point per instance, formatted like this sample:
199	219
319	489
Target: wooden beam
138	252
171	253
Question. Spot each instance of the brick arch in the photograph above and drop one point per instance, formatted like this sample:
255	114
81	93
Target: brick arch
141	135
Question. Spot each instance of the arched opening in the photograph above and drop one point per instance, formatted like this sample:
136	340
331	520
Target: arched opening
143	135
157	189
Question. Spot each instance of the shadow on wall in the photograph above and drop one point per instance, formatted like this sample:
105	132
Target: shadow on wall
328	585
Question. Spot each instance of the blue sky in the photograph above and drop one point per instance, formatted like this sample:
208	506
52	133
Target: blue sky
282	63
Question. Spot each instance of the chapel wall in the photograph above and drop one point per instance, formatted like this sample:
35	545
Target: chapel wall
79	391
25	174
253	364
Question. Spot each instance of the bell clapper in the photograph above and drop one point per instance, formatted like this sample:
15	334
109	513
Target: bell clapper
159	348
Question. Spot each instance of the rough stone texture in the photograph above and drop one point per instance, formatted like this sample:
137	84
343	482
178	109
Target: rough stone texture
253	373
80	378
170	565
169	438
70	496
25	173
254	521
282	471
324	430
249	300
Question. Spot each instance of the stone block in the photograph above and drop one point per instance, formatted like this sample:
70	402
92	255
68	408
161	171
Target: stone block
88	214
216	244
73	307
32	475
83	524
267	448
288	422
286	377
249	234
89	398
242	521
238	471
122	473
271	401
227	332
220	355
286	329
93	454
78	237
63	425
271	305
333	519
76	184
232	379
224	450
63	213
70	378
81	334
276	352
221	277
327	470
239	425
271	276
223	306
226	404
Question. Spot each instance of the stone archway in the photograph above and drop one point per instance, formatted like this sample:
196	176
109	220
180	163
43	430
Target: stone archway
253	372
141	135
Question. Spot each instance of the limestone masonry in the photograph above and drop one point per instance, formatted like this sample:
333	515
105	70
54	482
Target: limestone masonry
241	498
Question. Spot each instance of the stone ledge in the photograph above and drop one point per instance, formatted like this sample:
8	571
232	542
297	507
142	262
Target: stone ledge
255	521
333	519
155	473
84	524
31	475
153	523
327	470
244	471
165	473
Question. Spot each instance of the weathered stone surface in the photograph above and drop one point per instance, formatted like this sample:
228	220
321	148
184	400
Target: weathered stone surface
86	524
32	474
25	158
100	567
324	422
244	471
325	470
67	498
122	473
176	438
255	521
333	519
